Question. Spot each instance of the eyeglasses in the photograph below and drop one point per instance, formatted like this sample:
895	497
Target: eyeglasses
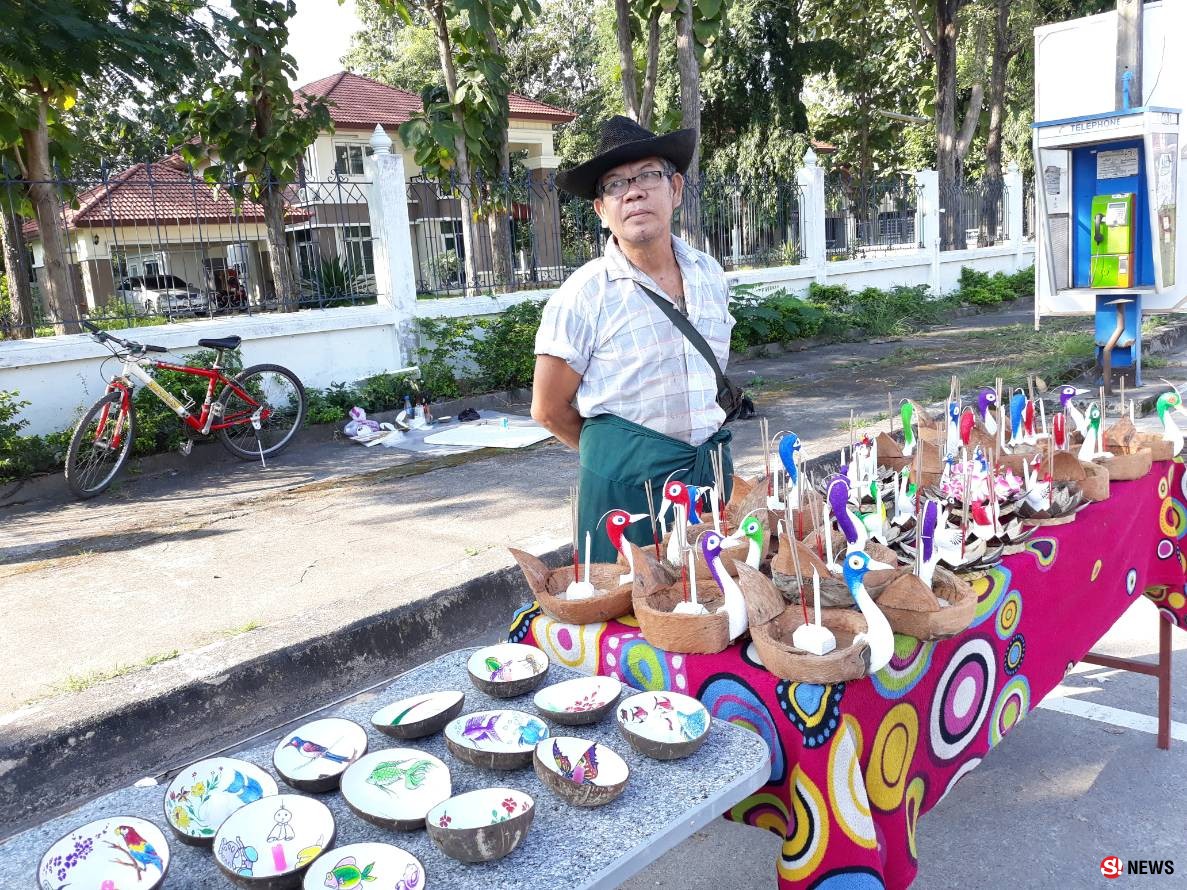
647	180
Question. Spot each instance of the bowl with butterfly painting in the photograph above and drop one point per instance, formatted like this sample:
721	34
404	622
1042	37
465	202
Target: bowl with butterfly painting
581	772
117	851
506	670
268	845
396	787
204	794
365	865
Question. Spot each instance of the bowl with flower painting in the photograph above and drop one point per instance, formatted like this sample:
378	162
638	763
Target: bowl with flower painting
270	843
204	794
365	865
581	772
663	725
507	669
396	787
578	701
314	756
418	715
481	826
500	739
118	851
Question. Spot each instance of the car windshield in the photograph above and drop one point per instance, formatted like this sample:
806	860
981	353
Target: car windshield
165	281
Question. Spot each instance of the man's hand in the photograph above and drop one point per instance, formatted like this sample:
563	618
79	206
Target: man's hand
553	388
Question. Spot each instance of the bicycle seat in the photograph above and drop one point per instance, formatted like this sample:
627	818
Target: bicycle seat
221	342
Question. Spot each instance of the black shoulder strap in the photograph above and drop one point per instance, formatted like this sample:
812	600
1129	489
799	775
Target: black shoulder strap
689	331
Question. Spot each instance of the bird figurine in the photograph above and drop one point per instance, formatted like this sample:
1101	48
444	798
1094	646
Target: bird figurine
676	497
879	637
314	751
1038	492
907	416
1059	430
929	553
904	498
1094	443
752	531
584	771
875	521
953	441
617	522
1017	408
141	851
986	405
967	421
789	456
1167	403
734	604
1075	415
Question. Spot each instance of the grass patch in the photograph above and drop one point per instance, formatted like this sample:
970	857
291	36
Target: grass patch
859	423
81	682
245	628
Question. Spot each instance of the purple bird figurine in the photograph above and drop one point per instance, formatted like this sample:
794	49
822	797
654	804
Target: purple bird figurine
986	406
838	502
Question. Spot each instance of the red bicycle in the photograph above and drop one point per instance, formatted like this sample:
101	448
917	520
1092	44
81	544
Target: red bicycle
255	415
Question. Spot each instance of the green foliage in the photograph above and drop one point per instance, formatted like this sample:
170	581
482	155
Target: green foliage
779	317
382	392
158	429
505	353
450	338
23	456
983	289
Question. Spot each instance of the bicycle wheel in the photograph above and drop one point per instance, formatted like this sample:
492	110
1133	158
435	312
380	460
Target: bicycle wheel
269	386
92	461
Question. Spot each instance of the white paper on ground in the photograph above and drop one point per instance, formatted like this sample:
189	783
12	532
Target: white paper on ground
519	433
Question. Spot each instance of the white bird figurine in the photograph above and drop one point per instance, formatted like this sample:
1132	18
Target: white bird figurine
677	497
735	604
1094	441
904	503
875	521
1167	403
879	637
1038	492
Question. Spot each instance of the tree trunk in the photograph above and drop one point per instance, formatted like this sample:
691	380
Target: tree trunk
690	105
647	106
16	270
499	219
997	91
284	277
57	288
464	183
945	53
626	58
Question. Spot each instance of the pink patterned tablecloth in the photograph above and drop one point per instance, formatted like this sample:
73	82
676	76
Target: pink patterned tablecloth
853	765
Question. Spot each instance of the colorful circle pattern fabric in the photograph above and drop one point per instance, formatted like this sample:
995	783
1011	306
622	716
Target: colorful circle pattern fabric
1044	551
1173	519
637	663
730	698
521	622
573	645
847	796
1009	615
990	589
962	698
1166	548
1011	706
1015	652
852	877
891	756
913	807
1131	582
907	667
806	841
812	709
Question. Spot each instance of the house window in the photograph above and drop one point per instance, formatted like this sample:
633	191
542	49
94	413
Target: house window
451	236
306	253
360	255
348	159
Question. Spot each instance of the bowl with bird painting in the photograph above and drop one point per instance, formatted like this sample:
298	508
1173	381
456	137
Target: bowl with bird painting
578	701
270	843
365	865
482	825
204	794
418	715
507	669
580	772
313	756
396	787
117	851
663	725
500	739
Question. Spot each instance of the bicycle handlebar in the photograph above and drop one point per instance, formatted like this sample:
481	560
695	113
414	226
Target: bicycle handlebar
102	336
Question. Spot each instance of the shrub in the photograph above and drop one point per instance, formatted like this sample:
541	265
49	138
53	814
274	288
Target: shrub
506	354
23	456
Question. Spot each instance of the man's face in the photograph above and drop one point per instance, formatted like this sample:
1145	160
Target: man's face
640	215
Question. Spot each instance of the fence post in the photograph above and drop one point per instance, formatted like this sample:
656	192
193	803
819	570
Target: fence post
927	222
391	235
1015	209
811	181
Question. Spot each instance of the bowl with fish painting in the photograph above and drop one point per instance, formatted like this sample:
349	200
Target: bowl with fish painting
481	826
507	669
396	787
314	756
581	772
117	851
578	701
663	725
495	739
270	843
383	866
419	715
204	794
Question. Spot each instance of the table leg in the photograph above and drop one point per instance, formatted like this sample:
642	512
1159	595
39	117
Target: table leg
1161	670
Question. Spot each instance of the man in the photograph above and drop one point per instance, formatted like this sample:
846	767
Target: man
615	378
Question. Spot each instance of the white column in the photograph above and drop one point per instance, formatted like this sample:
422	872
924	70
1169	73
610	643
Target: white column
811	180
1015	208
391	235
927	220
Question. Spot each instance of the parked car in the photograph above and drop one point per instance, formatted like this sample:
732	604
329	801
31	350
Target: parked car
166	295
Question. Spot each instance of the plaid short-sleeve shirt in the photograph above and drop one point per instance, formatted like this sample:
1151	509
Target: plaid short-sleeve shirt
633	361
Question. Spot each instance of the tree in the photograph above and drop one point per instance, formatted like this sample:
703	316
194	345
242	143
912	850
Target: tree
632	17
387	49
250	131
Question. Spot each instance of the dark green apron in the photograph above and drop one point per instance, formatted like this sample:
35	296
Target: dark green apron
618	456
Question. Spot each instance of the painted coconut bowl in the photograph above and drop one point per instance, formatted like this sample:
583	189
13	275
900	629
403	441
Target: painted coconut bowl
507	669
365	865
495	739
578	701
396	787
118	851
482	825
203	795
269	844
579	771
419	715
313	756
663	725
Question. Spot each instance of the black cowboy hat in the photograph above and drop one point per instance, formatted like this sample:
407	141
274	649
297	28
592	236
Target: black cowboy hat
622	141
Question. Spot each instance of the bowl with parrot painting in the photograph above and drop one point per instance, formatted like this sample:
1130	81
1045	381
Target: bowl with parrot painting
578	701
500	739
118	851
483	825
204	794
663	725
507	669
313	756
383	866
270	843
396	787
419	715
580	772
